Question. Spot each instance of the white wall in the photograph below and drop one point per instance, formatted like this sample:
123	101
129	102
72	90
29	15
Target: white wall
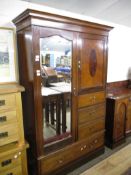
119	57
119	60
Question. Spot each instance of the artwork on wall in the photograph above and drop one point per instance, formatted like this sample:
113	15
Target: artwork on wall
7	56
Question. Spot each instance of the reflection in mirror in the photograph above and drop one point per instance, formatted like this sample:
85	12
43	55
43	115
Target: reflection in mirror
56	59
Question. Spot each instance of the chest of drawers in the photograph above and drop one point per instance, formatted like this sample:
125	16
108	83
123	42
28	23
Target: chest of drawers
12	143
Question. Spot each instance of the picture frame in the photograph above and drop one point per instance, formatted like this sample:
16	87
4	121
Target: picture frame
8	73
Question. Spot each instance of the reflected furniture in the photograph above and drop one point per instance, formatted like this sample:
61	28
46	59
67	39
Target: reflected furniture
118	115
12	144
87	45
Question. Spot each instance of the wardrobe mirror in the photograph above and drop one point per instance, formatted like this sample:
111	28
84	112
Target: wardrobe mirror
56	63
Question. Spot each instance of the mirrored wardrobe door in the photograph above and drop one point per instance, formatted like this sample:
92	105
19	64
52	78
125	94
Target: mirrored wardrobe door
56	88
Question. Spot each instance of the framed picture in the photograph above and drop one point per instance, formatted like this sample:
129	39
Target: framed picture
7	56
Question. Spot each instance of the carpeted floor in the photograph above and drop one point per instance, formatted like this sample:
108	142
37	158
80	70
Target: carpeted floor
94	162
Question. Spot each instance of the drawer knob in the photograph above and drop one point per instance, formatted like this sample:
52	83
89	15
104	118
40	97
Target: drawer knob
3	119
3	134
60	161
2	102
85	146
19	153
96	141
15	156
6	162
82	148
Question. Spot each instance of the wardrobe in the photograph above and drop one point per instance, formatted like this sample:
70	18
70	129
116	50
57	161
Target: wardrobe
63	67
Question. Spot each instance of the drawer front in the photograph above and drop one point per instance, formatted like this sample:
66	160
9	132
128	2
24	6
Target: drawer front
96	141
9	162
9	134
91	113
7	101
7	118
73	152
15	171
87	130
91	99
86	146
56	160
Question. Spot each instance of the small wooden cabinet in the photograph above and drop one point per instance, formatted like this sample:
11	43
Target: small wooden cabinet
86	54
118	117
12	144
128	116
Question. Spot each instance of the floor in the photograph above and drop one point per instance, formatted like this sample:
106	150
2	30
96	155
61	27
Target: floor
93	162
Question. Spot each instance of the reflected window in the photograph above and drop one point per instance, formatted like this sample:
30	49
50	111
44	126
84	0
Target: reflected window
56	62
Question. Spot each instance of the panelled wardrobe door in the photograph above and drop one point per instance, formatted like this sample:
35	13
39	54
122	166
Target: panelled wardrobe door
92	62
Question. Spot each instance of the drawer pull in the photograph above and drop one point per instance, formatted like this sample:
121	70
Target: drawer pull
4	134
9	174
15	156
60	161
2	102
82	148
6	162
19	153
96	141
3	119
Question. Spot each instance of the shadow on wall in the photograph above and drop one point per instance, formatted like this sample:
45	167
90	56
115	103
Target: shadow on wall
129	77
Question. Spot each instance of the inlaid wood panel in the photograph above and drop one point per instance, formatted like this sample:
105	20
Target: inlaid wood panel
92	62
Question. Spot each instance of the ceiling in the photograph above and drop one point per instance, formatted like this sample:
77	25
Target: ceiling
115	11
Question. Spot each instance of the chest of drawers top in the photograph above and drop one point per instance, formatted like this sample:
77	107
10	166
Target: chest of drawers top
10	88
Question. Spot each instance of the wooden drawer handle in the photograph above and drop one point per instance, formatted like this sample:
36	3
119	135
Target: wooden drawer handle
6	162
2	102
3	134
60	161
3	119
95	141
82	148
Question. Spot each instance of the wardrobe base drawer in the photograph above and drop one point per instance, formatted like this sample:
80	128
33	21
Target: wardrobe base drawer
64	157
